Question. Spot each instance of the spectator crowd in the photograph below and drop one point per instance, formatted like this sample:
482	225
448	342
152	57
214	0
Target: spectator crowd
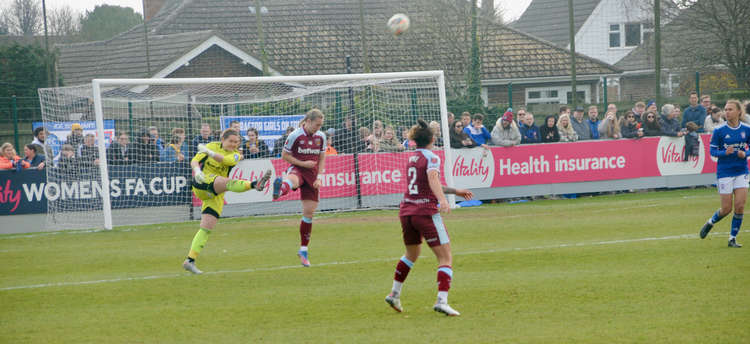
511	129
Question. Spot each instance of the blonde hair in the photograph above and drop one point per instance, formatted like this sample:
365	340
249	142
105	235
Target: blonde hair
738	105
567	130
613	126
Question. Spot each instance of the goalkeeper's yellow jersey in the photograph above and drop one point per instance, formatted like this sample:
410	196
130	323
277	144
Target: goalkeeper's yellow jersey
211	166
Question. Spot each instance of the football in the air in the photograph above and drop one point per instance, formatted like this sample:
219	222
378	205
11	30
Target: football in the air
398	24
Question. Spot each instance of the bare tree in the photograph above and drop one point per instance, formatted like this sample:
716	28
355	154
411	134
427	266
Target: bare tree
719	33
64	22
24	17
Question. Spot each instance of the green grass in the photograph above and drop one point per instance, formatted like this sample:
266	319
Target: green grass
552	271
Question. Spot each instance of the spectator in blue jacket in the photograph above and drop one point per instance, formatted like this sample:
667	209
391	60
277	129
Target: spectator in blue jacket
177	147
695	113
477	131
203	138
32	156
529	130
593	122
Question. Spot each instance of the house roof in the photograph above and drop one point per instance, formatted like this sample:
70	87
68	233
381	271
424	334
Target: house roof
305	37
548	19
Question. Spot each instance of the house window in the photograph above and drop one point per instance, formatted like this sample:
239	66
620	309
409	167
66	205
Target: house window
629	34
614	36
632	34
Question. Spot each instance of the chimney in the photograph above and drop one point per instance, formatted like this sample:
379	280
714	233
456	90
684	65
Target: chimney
151	7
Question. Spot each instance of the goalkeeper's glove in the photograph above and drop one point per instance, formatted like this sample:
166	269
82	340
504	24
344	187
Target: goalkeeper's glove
198	175
202	148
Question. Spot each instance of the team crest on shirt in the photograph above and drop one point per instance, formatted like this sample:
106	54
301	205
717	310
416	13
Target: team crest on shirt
743	135
434	160
317	141
237	157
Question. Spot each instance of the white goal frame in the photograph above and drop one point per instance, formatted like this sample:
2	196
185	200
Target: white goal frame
98	84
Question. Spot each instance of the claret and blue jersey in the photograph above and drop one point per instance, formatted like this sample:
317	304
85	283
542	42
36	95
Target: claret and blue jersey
722	138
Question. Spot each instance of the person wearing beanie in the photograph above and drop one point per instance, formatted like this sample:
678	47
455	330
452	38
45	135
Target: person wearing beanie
505	133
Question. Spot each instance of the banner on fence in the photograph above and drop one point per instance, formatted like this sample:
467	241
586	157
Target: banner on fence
380	174
28	191
500	166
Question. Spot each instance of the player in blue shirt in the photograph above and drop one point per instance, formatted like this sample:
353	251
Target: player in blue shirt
729	143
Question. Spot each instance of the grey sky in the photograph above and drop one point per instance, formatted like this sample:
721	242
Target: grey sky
512	8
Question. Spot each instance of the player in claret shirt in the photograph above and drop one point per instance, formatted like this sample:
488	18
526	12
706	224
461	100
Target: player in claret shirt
305	149
420	218
729	143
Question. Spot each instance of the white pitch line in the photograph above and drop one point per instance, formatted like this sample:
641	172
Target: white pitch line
376	260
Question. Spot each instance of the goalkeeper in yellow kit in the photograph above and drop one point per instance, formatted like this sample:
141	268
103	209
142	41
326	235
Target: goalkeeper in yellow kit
211	166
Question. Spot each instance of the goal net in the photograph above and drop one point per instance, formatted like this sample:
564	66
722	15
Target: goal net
123	146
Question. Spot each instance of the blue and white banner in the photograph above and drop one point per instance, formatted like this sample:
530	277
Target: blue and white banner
269	127
59	131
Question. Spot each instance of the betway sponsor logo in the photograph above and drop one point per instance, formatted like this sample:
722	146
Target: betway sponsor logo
669	157
473	168
366	177
308	151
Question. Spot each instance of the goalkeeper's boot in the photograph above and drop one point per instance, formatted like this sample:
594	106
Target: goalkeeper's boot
445	309
303	258
190	266
733	243
261	183
706	228
395	302
277	188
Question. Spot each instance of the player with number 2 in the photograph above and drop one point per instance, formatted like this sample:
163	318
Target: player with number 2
420	218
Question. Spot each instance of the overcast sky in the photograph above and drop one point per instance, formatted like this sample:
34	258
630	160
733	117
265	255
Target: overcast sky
512	8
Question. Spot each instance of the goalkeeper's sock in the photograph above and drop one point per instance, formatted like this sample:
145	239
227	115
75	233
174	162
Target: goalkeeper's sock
444	277
236	185
286	186
199	241
716	218
305	229
736	224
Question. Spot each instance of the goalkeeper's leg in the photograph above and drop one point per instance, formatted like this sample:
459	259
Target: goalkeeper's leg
208	222
223	184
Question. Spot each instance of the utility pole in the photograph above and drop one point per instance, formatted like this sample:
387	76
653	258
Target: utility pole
46	46
571	23
657	50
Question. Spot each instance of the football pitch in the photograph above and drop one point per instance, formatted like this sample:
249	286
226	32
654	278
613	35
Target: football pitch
618	268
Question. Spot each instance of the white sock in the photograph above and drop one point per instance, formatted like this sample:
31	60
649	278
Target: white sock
442	297
303	248
396	290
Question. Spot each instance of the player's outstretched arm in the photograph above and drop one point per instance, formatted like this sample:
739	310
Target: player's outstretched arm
202	148
433	178
465	193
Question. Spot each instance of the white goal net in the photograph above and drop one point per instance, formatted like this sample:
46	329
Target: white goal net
124	156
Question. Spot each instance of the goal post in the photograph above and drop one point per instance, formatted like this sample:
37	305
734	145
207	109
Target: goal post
150	127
